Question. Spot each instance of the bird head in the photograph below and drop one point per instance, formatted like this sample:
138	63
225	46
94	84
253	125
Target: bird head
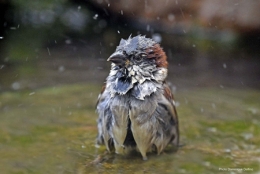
135	61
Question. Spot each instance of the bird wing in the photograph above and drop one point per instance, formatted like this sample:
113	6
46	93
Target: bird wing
104	120
172	110
100	95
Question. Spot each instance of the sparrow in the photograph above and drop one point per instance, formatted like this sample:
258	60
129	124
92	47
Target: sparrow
136	107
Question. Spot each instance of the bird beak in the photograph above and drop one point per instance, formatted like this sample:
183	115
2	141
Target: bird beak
118	58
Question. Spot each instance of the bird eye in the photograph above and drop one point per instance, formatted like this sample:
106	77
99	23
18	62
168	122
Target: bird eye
140	57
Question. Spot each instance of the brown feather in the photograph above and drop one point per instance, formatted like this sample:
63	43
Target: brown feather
167	93
157	53
102	90
169	96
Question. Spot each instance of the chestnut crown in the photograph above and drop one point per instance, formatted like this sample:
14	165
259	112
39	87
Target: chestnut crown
139	49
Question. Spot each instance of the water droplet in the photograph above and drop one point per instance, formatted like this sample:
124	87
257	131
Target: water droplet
61	68
171	17
118	31
193	45
49	51
1	37
79	105
32	93
206	163
224	65
157	37
95	16
2	66
227	150
212	129
16	85
148	28
68	41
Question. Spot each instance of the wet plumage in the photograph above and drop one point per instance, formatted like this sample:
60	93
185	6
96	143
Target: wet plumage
136	106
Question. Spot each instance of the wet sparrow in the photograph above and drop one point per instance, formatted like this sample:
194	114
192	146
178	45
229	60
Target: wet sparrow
136	107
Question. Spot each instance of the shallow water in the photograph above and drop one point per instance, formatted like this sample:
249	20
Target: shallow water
53	129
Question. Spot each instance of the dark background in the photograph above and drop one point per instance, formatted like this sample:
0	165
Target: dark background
208	43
